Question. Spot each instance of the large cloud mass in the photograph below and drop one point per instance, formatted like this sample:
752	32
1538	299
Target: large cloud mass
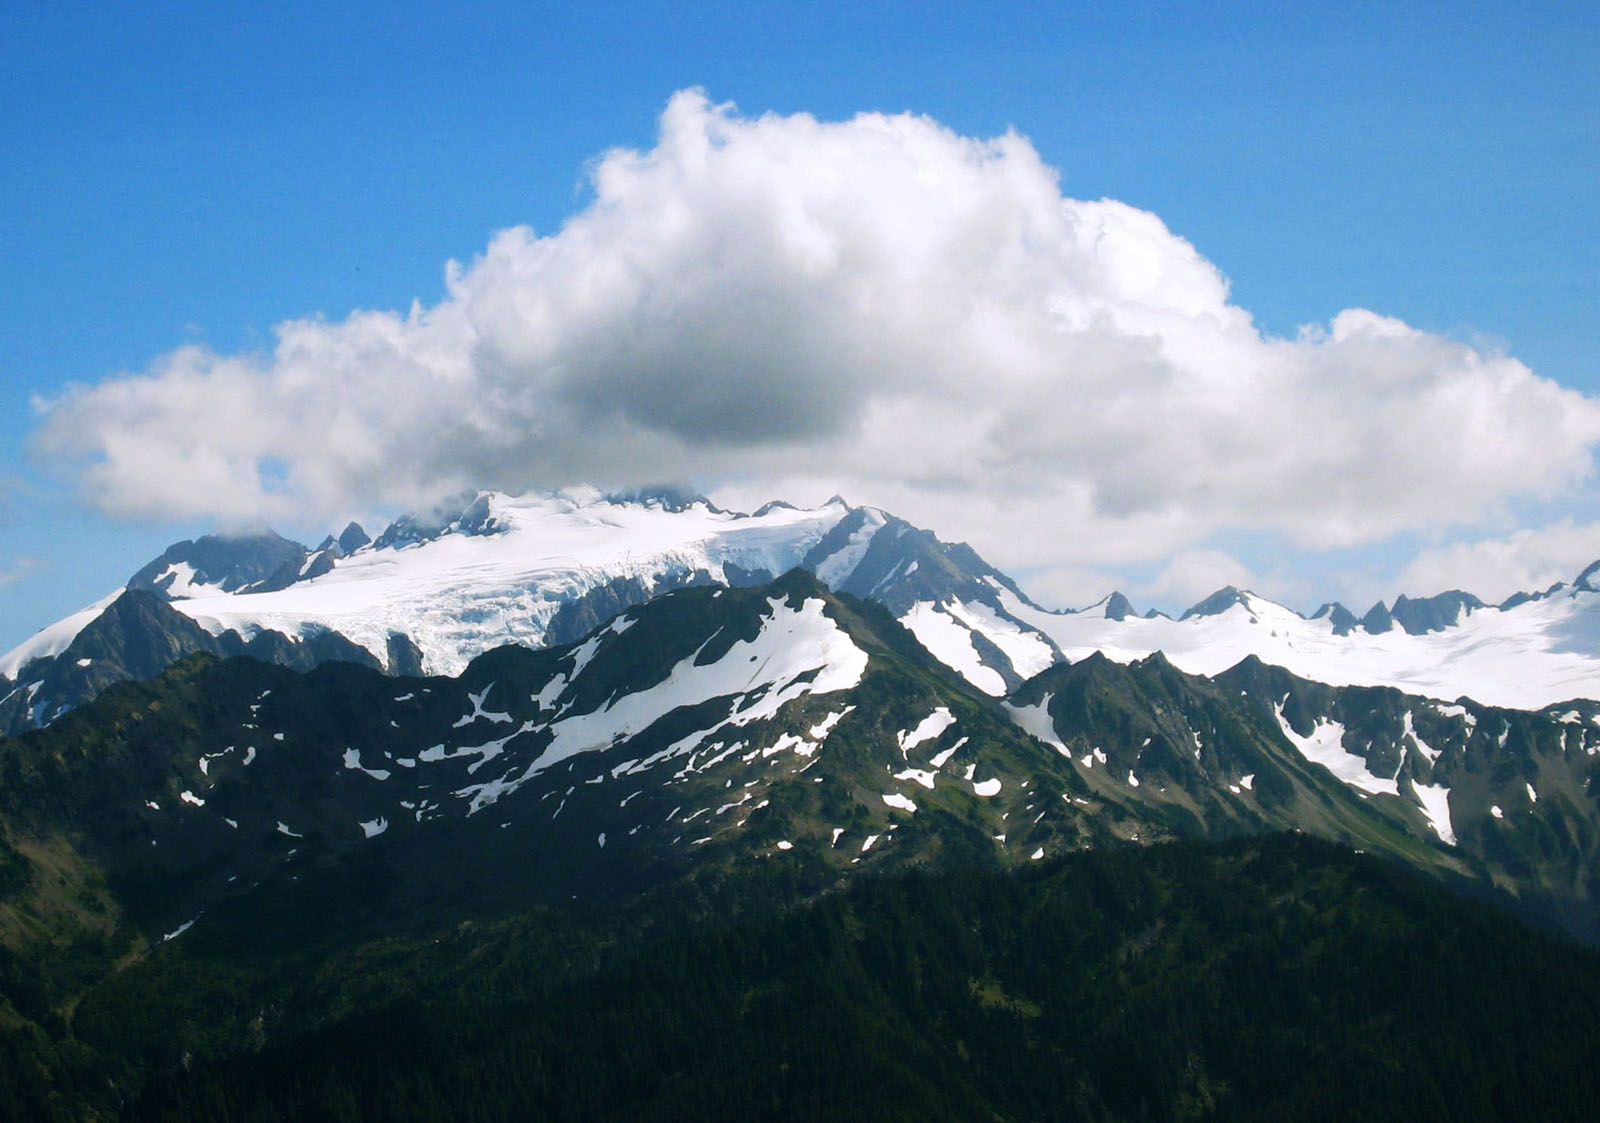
878	306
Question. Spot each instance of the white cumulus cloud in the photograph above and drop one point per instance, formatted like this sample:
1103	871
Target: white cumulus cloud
1529	560
876	306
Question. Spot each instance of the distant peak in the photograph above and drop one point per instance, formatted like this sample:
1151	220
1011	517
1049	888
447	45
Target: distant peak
471	513
352	538
230	562
1341	618
1377	620
1435	613
669	497
1119	607
1587	579
1218	602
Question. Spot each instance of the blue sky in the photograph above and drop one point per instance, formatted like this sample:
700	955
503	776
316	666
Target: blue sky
176	177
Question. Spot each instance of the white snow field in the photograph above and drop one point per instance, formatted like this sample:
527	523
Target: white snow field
458	595
1527	657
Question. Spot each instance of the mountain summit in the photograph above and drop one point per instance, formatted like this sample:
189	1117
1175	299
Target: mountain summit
433	591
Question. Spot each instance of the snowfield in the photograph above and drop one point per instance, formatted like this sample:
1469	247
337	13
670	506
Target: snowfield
458	594
1527	657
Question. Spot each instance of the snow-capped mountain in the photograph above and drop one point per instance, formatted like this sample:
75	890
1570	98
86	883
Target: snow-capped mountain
712	750
431	593
1528	653
531	570
716	725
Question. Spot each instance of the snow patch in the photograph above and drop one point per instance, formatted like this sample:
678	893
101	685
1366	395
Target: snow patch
1028	652
179	930
1325	746
950	642
820	731
940	758
798	651
1435	801
927	729
1035	721
837	567
352	761
917	774
1429	753
479	712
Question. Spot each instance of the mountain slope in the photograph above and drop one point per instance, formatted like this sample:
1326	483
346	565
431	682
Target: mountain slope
433	592
1275	979
707	753
1502	803
715	724
1532	653
711	724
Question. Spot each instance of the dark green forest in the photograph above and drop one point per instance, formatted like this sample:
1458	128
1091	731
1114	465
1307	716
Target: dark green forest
1274	978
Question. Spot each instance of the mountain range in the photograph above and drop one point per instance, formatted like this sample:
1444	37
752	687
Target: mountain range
431	593
258	760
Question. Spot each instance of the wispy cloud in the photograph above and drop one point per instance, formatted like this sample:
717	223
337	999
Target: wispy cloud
880	306
18	570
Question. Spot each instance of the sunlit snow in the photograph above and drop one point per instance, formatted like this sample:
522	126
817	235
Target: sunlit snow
1529	656
1429	753
921	776
927	729
1035	720
1325	746
1435	802
54	639
939	758
458	595
950	642
836	569
1028	652
798	651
